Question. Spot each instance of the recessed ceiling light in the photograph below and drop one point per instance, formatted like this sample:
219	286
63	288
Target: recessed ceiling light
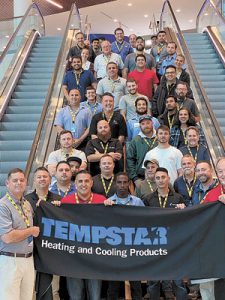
145	16
191	21
72	25
129	4
206	14
55	3
3	47
115	20
178	10
59	28
7	36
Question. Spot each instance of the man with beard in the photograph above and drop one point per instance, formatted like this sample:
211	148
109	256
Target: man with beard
120	46
159	51
170	58
184	184
127	102
148	185
75	163
171	112
77	78
101	145
139	146
166	87
115	119
184	101
133	125
168	156
104	183
146	79
204	174
130	64
63	185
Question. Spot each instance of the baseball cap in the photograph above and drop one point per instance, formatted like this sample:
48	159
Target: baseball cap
153	161
146	117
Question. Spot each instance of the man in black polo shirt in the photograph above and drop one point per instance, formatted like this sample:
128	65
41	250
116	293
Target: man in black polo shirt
164	197
101	145
104	183
115	119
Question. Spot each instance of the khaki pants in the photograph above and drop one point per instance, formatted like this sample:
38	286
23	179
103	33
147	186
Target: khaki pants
16	278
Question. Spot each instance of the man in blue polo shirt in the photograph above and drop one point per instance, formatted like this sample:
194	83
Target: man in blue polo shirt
78	79
120	46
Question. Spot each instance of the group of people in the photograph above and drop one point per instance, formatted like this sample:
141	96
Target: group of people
129	134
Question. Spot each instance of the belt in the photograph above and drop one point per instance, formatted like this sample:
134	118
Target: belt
16	254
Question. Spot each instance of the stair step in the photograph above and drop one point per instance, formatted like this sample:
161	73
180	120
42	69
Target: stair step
30	88
26	102
8	165
21	118
24	110
22	126
14	155
19	145
29	95
17	135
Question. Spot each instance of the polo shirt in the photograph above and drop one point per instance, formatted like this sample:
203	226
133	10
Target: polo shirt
99	188
33	198
86	79
54	189
168	61
123	49
94	108
200	153
112	145
10	219
117	124
129	200
130	63
214	194
145	81
116	87
182	187
102	60
173	198
82	120
58	155
96	199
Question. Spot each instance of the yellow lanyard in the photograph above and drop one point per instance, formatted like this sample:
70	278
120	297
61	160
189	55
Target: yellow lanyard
23	213
105	148
73	114
66	155
159	49
183	133
170	121
150	145
78	201
196	154
190	187
104	117
165	201
77	76
44	198
120	48
66	192
112	85
149	184
89	107
107	58
104	185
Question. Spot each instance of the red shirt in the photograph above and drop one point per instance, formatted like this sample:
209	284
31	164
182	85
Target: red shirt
214	194
70	199
145	81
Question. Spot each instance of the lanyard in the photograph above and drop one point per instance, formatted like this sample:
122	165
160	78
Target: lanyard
66	192
73	114
104	117
170	121
89	107
66	155
120	48
196	154
77	76
183	133
107	58
149	184
159	49
150	145
104	185
105	148
22	212
190	187
44	198
78	201
165	200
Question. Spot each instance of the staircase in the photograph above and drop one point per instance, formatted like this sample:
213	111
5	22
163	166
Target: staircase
211	72
19	123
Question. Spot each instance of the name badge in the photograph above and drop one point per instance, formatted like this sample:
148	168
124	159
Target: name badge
30	241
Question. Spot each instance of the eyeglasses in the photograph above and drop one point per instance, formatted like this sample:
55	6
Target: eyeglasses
170	72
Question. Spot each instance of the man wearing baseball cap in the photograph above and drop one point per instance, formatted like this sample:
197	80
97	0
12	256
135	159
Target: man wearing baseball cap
139	146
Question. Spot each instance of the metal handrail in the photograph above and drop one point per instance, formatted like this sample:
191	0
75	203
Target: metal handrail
192	66
18	28
214	7
219	48
47	99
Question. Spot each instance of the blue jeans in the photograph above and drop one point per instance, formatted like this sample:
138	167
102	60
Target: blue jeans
178	287
76	288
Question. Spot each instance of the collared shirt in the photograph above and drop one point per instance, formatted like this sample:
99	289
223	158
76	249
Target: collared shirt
182	187
58	155
168	61
82	120
145	188
127	103
133	126
129	200
11	219
116	87
55	190
99	188
33	198
130	63
159	52
94	108
117	124
122	48
214	194
190	104
101	62
173	198
200	192
86	79
198	153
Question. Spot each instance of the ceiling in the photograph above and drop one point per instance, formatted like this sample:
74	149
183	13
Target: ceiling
134	19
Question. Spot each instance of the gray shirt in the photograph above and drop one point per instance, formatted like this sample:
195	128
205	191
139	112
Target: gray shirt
130	63
11	219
